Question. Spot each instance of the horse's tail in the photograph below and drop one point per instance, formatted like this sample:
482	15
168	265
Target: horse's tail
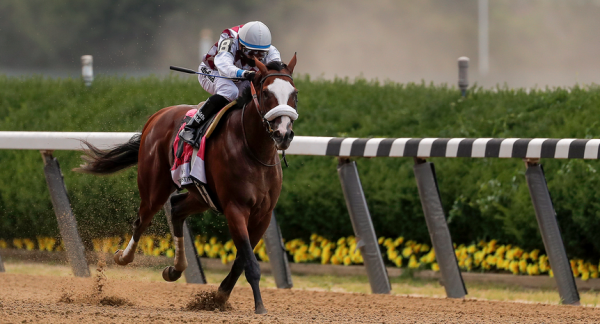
110	161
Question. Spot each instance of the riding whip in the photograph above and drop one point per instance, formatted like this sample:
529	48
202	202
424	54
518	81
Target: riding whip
184	70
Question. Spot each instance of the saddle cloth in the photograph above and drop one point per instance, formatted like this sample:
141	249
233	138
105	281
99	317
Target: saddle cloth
188	165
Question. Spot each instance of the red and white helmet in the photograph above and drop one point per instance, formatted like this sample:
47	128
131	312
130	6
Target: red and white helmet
255	36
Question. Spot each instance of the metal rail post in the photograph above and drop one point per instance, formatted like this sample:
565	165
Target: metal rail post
546	218
363	226
67	223
438	228
193	273
277	256
463	75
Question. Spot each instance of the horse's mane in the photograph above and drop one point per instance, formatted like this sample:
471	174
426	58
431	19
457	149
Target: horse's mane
246	95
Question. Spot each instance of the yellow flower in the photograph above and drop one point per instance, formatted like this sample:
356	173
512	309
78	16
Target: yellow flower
585	275
532	269
471	249
347	260
499	263
29	245
228	245
325	256
469	263
500	251
392	254
412	262
230	257
316	252
398	241
407	251
534	254
398	261
170	253
523	266
416	248
380	240
435	267
387	242
335	260
213	240
514	267
357	258
341	241
574	269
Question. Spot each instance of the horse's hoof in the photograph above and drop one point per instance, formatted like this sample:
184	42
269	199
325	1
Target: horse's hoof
260	310
221	297
170	274
118	258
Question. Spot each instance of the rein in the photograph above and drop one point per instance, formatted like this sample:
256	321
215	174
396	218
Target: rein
266	122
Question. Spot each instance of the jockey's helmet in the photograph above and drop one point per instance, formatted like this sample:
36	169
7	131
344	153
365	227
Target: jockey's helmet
255	38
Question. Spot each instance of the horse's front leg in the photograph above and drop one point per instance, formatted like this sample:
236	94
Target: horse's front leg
245	259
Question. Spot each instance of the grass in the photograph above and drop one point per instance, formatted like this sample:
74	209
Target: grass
401	286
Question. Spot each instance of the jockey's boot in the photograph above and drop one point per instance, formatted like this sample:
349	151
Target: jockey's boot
212	105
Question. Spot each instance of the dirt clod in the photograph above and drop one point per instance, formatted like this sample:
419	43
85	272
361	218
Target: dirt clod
206	301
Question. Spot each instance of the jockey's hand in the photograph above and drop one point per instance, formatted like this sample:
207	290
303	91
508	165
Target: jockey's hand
248	75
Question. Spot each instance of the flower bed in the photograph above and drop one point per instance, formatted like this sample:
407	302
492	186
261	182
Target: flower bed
482	257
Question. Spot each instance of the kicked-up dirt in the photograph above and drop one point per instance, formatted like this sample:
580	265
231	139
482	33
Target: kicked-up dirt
51	299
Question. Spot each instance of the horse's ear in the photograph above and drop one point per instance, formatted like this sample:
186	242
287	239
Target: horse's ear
292	64
261	67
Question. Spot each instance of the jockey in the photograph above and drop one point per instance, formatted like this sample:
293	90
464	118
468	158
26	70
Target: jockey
232	57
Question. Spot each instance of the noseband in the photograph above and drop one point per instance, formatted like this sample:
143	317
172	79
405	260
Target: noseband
267	117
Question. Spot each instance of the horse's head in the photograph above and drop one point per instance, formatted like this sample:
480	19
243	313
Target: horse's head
277	100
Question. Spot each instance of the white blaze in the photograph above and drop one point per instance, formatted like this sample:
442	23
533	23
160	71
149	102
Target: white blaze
282	90
282	128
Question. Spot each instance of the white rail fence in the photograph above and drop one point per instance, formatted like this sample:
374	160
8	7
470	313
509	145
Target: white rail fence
530	150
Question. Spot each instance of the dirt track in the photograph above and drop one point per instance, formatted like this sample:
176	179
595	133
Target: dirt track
49	299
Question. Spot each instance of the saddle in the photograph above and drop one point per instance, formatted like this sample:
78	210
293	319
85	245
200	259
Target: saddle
206	128
188	166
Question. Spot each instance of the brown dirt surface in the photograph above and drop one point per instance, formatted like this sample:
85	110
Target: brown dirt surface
51	299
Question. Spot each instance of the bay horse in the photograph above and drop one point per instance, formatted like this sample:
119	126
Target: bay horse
243	170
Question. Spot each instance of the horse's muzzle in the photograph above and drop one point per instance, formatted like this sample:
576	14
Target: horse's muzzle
283	141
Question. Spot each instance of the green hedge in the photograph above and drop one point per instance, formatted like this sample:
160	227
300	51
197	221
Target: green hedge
484	198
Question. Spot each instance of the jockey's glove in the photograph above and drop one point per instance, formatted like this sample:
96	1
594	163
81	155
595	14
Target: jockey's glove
248	75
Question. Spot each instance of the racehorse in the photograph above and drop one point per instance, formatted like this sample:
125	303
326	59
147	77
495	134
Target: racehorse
243	170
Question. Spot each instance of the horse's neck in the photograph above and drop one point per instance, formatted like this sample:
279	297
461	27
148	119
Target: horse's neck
258	139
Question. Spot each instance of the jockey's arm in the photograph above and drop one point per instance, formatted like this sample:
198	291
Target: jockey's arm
224	63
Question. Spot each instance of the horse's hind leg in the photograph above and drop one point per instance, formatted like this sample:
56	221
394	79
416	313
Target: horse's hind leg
182	206
155	188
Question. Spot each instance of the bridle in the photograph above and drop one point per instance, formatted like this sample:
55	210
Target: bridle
270	131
